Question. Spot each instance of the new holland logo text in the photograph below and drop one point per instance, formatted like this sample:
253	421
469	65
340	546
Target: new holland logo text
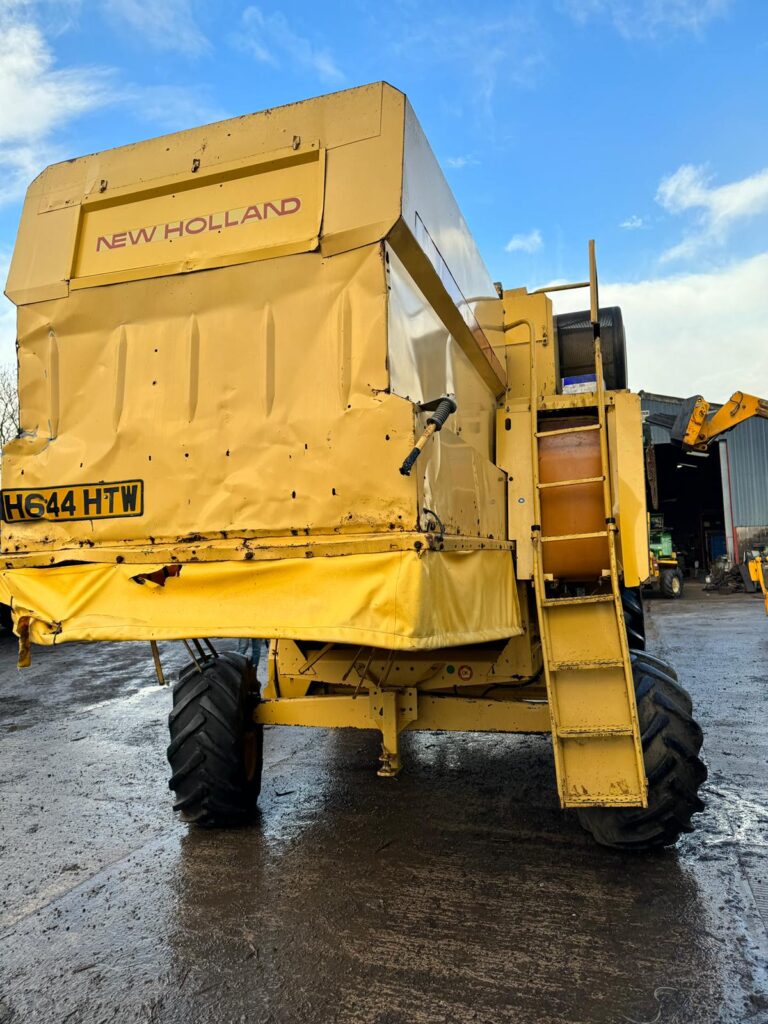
198	225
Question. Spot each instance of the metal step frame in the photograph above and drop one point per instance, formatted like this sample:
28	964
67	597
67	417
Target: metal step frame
595	730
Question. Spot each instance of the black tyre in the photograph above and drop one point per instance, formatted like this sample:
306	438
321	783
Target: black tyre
634	617
663	671
671	583
215	751
671	744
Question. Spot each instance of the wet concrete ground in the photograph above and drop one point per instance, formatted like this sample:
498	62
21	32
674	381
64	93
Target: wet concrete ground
459	892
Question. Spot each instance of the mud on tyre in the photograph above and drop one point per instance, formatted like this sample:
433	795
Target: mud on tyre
215	751
671	744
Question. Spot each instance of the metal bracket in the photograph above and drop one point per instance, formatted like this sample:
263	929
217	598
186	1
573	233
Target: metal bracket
391	711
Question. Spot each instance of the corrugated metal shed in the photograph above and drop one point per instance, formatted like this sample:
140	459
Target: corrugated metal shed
747	456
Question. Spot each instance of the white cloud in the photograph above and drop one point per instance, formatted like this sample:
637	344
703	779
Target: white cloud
632	223
36	100
531	242
692	333
719	207
269	38
458	162
166	25
650	18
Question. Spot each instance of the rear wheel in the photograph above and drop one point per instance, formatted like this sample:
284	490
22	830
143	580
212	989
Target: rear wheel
215	751
671	744
662	670
671	583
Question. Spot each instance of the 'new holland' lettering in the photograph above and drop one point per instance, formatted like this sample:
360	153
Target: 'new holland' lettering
192	226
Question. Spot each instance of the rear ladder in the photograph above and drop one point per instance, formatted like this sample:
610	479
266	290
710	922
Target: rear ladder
595	730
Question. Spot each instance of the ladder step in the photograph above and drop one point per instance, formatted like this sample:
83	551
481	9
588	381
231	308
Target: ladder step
549	602
572	666
574	536
568	483
589	734
567	430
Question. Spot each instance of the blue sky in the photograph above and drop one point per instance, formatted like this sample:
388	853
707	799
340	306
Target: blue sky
639	122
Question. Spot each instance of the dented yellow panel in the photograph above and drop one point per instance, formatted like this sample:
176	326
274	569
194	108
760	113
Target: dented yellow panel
462	488
249	401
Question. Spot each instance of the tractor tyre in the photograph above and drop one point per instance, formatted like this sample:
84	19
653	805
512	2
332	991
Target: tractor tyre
664	671
634	617
6	618
216	749
671	744
671	583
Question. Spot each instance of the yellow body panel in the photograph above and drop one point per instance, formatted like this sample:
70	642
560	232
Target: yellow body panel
150	397
513	440
625	445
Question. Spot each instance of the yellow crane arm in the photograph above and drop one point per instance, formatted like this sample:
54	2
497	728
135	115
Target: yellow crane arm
697	427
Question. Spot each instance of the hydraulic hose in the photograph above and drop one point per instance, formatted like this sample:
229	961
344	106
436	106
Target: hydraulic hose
435	423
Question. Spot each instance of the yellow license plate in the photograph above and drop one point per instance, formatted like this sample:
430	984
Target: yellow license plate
116	500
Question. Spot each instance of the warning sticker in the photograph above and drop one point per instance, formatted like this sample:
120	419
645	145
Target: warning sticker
116	500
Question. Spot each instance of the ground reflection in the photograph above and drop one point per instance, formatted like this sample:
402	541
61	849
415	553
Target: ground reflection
460	888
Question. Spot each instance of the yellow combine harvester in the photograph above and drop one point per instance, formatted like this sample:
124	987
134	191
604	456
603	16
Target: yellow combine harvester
268	389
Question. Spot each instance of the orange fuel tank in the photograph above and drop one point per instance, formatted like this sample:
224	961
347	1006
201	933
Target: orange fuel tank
574	508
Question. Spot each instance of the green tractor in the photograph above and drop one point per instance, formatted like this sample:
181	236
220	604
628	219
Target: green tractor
666	574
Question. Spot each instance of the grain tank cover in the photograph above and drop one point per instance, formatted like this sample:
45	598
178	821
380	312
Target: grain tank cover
328	175
225	339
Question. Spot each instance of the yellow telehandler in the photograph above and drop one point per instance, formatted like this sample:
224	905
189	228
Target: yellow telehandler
268	389
757	567
697	424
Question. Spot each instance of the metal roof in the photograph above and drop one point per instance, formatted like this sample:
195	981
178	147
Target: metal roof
666	404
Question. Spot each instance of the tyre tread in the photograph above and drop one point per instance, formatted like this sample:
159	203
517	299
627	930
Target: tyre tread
671	740
209	724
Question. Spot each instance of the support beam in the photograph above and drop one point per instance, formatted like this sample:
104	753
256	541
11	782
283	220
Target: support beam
451	714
